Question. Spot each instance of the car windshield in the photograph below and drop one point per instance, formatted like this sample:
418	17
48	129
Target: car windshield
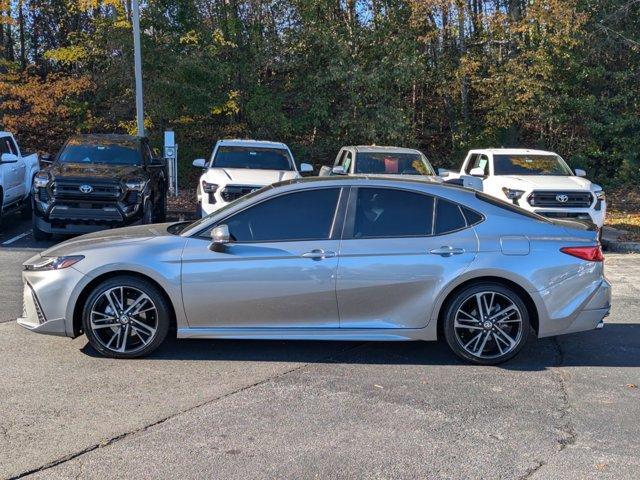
530	165
253	158
112	152
389	163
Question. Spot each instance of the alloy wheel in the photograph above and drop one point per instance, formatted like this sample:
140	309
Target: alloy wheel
124	319
488	325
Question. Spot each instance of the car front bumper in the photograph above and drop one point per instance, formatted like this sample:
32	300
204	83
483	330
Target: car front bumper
46	300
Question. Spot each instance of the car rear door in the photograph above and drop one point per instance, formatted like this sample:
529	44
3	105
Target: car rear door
399	249
13	174
279	272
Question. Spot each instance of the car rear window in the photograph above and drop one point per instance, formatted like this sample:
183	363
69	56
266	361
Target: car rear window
449	217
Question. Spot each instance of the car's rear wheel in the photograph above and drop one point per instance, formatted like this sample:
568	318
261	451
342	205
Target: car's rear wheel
486	323
126	317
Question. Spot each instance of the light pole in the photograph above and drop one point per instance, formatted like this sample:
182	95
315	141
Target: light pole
137	60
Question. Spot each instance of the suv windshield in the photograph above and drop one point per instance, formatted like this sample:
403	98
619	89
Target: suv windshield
530	165
253	158
389	163
79	151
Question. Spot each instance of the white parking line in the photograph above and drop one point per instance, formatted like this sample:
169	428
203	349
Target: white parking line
16	238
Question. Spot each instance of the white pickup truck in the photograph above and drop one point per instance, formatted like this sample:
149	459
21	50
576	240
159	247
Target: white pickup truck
16	177
238	167
535	180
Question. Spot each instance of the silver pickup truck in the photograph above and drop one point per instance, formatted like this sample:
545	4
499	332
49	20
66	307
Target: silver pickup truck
17	170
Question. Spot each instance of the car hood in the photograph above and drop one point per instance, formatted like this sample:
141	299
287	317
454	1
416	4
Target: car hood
547	182
96	170
246	176
112	238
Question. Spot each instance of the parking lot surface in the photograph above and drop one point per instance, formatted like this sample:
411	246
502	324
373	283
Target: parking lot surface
565	407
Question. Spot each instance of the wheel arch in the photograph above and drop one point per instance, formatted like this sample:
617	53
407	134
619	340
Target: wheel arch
532	308
86	291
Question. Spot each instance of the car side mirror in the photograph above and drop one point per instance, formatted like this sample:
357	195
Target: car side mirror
220	237
306	168
443	173
199	163
477	172
338	170
8	158
580	172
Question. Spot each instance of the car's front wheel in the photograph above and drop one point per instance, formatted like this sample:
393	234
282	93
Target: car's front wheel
486	323
126	317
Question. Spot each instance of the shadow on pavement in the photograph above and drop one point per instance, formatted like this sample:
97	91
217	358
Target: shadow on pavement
617	345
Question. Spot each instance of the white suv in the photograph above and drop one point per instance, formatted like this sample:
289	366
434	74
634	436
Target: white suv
238	167
536	180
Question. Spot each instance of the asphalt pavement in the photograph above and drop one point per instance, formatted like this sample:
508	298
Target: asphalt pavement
564	408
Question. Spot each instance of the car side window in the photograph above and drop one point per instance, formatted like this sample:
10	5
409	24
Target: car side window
472	163
5	145
478	161
340	158
387	212
306	215
348	158
449	217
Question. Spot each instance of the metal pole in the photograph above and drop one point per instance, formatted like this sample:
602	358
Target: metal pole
138	67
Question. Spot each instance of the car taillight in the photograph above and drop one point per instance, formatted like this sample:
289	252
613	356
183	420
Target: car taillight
591	254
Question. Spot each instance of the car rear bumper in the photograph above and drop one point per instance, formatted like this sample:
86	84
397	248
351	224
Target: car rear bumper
590	315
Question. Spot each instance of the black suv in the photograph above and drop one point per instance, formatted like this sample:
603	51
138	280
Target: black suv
97	182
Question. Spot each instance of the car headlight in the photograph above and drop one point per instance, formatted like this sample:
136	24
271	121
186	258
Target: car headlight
209	187
600	195
41	180
53	263
512	194
135	185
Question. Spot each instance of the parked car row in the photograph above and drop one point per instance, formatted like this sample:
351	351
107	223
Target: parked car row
378	247
535	180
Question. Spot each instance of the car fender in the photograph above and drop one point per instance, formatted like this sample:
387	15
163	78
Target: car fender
431	331
170	283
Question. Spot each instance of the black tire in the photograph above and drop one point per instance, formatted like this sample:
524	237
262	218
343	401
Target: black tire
27	209
147	213
456	337
38	234
162	317
161	208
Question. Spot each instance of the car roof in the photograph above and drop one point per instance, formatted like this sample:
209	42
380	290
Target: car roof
382	149
4	134
512	151
237	142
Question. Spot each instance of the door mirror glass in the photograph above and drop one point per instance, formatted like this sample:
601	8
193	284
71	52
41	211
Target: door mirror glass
306	168
580	172
338	170
9	158
220	237
199	163
477	172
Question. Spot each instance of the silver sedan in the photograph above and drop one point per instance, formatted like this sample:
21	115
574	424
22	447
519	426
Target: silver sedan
339	258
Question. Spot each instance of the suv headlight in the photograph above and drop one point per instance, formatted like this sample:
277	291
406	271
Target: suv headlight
135	185
512	194
53	263
600	195
41	180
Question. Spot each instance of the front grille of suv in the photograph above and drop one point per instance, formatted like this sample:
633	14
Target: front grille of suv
554	199
100	191
233	192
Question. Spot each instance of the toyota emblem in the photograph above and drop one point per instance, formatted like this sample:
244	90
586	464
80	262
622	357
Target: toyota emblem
562	198
86	188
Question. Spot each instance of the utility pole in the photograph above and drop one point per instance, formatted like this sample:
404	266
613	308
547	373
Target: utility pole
138	67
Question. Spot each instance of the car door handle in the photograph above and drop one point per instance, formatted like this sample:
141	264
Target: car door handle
447	251
318	254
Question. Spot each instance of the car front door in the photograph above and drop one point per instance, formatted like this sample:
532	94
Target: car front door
398	250
278	271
